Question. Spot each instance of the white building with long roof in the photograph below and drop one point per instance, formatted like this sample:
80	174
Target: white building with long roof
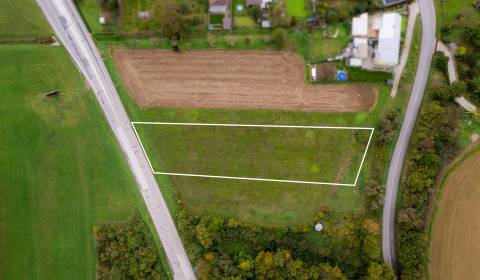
389	37
376	41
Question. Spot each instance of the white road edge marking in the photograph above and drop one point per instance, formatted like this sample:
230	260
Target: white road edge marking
257	125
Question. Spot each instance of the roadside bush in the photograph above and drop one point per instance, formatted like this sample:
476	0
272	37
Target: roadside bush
434	144
440	60
109	5
373	189
449	93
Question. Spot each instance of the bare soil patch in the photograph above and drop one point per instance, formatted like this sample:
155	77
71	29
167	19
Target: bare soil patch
232	79
455	243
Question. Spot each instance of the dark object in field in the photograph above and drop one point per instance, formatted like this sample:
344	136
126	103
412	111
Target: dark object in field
175	48
52	93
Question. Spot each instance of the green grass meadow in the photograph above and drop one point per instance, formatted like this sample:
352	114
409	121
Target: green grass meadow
291	154
22	20
259	152
61	169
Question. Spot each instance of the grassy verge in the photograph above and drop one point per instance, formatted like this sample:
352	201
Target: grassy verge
90	11
408	75
18	24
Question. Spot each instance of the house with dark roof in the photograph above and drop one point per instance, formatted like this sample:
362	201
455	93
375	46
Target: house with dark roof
220	14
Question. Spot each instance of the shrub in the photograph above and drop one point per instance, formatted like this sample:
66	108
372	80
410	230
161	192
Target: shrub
440	60
126	251
279	38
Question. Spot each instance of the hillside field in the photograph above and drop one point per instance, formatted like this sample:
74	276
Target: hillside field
61	172
455	243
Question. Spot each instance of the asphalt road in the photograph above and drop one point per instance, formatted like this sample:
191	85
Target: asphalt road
427	12
72	32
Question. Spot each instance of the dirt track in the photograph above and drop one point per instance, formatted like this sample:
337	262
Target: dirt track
456	242
232	79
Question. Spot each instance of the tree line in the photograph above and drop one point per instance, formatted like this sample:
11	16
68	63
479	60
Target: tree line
222	248
127	251
434	144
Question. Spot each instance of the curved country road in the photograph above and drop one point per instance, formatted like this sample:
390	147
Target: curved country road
427	12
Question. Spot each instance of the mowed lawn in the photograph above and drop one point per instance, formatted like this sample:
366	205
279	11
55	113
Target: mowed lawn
22	19
61	169
296	8
321	47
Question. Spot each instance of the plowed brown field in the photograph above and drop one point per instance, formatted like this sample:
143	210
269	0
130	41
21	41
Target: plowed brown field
456	231
232	79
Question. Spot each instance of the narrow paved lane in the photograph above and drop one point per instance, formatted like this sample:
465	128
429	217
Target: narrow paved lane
72	32
427	12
